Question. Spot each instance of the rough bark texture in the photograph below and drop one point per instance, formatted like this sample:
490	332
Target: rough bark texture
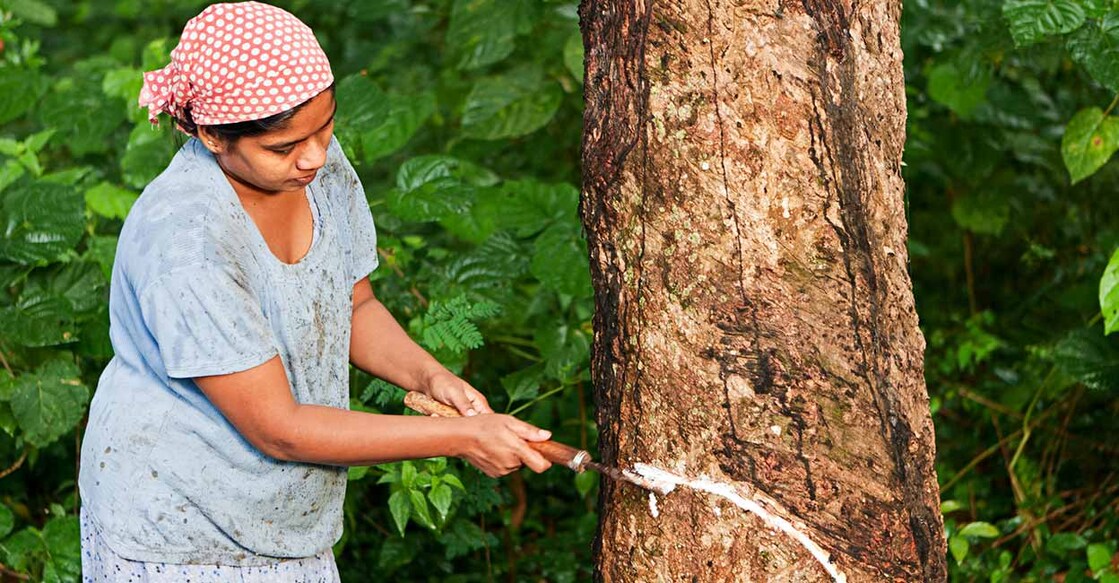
755	323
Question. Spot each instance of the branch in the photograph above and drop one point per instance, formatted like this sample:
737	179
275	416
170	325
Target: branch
22	457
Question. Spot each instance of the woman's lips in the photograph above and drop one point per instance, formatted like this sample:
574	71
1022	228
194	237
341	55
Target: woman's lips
306	179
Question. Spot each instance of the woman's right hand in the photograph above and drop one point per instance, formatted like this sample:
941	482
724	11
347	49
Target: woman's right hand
498	444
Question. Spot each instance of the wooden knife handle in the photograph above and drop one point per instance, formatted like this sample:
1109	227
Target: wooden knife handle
553	451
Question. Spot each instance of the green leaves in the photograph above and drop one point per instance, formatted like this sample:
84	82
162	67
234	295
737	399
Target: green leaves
39	222
509	105
1089	141
1090	358
960	543
19	90
1109	294
561	260
374	124
960	93
148	152
986	212
431	188
110	201
450	324
418	486
1033	20
481	32
49	402
1096	48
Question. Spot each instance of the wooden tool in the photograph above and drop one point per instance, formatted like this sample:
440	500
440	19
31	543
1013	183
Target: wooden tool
555	452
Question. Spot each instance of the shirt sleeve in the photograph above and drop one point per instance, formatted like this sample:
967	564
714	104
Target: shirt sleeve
206	322
363	234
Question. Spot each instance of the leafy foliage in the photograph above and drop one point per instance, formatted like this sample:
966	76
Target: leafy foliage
462	118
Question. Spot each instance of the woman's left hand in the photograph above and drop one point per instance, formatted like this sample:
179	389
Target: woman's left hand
449	389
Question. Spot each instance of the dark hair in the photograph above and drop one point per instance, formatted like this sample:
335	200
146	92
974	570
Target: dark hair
231	132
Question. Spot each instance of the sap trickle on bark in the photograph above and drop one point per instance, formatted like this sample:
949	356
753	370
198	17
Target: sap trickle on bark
755	320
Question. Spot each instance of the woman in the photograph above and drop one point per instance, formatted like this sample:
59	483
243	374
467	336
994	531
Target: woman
219	433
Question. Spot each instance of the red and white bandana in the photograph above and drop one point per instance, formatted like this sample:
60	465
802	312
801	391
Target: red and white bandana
238	62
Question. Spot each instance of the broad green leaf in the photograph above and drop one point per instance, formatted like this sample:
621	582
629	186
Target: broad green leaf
38	320
407	473
423	170
125	83
80	283
1096	48
401	508
403	117
419	508
430	188
560	260
33	11
356	473
110	201
510	105
950	87
49	402
1063	542
1099	556
7	520
19	90
90	118
103	250
949	506
481	32
10	172
1089	357
148	152
566	350
585	482
1109	294
959	547
464	536
397	552
453	480
979	529
440	497
64	552
361	104
985	212
528	207
1089	141
523	384
20	549
39	222
1033	20
573	55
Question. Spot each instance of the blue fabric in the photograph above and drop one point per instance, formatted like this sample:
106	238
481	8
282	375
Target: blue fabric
196	292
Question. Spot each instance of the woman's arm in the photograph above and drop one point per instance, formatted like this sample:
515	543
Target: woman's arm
259	403
380	347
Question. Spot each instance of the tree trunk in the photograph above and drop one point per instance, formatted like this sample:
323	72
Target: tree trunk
755	324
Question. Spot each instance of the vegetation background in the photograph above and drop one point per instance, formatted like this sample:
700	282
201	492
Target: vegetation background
463	118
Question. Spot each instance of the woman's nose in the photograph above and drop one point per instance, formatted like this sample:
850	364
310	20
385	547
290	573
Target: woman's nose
313	156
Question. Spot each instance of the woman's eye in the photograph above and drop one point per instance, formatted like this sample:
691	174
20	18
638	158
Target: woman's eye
284	151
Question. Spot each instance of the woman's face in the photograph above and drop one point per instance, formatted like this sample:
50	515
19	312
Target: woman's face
282	160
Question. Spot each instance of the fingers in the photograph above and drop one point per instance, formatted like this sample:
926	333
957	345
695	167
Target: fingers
461	401
535	462
528	432
478	400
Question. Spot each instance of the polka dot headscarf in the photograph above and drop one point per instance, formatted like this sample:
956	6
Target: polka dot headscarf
238	62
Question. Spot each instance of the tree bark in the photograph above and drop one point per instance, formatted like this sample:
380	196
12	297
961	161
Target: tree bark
754	322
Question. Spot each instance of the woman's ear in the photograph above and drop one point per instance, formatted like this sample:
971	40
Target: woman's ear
211	142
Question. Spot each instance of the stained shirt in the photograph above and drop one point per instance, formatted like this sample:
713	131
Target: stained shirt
196	292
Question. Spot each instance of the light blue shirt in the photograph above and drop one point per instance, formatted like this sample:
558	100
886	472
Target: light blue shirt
196	292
